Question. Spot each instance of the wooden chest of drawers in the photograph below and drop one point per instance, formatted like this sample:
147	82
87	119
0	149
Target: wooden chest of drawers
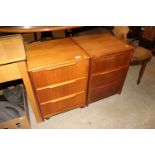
109	63
59	73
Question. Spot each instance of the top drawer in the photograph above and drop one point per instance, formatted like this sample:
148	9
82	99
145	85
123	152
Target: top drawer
110	62
50	76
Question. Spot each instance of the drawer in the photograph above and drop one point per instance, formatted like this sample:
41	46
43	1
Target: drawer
61	90
102	79
9	72
60	74
104	91
68	103
110	62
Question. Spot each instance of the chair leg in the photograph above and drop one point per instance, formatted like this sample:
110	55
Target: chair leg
142	71
35	36
46	35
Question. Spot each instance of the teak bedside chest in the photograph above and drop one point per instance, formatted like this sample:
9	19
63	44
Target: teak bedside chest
59	72
109	64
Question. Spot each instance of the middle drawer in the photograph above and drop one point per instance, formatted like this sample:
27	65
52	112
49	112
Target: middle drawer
102	79
56	91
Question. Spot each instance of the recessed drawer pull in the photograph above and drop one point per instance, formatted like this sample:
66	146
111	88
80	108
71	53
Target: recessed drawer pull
51	109
110	71
62	98
60	66
60	84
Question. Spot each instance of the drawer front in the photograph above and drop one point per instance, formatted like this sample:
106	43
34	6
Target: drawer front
106	79
70	87
69	103
68	72
105	91
9	72
110	62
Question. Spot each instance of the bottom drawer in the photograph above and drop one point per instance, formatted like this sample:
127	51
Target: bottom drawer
105	91
104	79
66	104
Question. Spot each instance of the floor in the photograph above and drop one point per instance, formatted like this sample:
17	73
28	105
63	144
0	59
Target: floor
134	108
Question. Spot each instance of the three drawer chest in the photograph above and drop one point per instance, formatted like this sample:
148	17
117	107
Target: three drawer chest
58	71
109	64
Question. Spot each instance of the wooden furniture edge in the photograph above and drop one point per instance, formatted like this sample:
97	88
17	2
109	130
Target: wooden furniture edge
29	90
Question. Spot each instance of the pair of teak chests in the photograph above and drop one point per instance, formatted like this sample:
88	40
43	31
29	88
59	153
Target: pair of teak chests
73	72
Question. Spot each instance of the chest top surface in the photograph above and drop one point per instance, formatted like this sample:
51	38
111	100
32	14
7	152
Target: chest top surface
101	44
11	49
53	53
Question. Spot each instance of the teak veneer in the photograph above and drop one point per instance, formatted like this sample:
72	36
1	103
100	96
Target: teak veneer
109	64
59	73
